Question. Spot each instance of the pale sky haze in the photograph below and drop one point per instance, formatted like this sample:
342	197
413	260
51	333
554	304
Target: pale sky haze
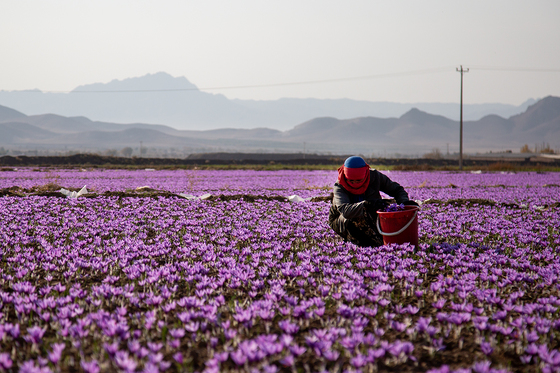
57	45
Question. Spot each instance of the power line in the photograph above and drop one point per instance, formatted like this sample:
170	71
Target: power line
309	82
365	77
515	69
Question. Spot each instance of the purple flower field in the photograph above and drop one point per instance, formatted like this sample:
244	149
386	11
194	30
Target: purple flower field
139	284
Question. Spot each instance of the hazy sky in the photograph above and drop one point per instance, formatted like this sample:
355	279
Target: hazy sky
57	45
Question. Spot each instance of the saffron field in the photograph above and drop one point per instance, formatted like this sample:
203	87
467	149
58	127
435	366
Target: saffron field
151	284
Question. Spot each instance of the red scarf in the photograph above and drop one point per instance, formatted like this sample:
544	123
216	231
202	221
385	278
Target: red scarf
355	174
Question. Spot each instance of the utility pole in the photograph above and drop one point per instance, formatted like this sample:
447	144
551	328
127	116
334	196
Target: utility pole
461	121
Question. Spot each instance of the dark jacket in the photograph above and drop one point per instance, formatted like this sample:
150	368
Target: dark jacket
350	206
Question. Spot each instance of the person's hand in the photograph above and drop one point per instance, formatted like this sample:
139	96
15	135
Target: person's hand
375	205
410	203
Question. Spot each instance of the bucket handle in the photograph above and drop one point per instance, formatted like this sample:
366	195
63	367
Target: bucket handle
398	232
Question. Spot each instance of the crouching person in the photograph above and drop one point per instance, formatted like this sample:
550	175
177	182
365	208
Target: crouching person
356	200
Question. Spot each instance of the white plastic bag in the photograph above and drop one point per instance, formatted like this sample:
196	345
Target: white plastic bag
72	194
190	196
296	198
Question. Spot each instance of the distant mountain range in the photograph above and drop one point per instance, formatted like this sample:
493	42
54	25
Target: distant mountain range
174	101
415	132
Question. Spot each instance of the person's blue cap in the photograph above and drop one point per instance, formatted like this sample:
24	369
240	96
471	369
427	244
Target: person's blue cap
355	162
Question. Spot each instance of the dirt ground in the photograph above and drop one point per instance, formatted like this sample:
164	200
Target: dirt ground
7	163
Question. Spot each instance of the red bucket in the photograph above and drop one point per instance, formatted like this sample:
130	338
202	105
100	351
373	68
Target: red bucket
399	226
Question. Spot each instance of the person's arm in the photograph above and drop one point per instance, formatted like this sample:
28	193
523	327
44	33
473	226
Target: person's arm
342	202
392	188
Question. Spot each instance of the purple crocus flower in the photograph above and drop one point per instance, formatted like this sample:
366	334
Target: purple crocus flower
90	367
56	352
270	368
150	367
439	304
423	323
111	348
30	367
288	327
331	355
358	361
287	269
13	330
230	333
125	362
177	333
35	334
287	360
486	348
238	357
398	326
178	357
394	207
155	347
482	366
297	350
5	361
192	327
532	337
